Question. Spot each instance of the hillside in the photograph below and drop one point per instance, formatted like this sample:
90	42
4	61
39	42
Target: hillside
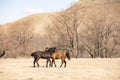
101	7
41	20
38	21
86	25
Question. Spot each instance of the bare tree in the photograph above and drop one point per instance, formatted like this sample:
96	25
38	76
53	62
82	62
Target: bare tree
98	37
3	39
20	35
65	29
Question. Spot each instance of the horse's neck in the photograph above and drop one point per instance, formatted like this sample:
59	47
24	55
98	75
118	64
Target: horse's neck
45	51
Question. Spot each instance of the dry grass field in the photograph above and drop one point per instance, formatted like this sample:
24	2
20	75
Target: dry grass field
77	69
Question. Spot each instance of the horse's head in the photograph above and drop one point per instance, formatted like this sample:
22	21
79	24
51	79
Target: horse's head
51	50
47	48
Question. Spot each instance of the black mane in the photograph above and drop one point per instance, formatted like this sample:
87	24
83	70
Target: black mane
51	50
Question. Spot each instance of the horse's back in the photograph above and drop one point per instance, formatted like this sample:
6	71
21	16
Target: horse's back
58	55
35	54
42	54
45	55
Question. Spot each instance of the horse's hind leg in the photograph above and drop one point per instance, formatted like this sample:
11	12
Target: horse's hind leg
61	63
53	61
65	63
34	61
37	61
50	64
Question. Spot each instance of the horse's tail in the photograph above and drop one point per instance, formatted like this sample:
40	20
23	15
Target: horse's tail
33	54
68	55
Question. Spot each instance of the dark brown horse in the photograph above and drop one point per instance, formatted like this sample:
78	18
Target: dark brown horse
44	55
41	54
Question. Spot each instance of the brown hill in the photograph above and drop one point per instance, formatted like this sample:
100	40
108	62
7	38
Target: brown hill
84	12
38	21
41	20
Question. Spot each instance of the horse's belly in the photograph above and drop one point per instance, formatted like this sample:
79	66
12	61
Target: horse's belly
43	57
57	58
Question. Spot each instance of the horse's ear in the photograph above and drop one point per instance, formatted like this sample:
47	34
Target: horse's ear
47	48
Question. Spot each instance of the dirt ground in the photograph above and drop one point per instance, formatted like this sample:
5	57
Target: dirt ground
77	69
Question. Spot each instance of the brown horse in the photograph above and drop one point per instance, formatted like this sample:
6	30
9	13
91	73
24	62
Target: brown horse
60	55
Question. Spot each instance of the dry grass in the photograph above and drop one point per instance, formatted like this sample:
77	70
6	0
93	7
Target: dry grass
77	69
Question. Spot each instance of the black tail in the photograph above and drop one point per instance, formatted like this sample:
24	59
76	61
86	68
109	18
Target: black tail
2	54
68	55
32	54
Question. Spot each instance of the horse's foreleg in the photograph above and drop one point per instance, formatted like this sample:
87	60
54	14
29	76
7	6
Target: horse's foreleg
61	64
53	61
63	61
